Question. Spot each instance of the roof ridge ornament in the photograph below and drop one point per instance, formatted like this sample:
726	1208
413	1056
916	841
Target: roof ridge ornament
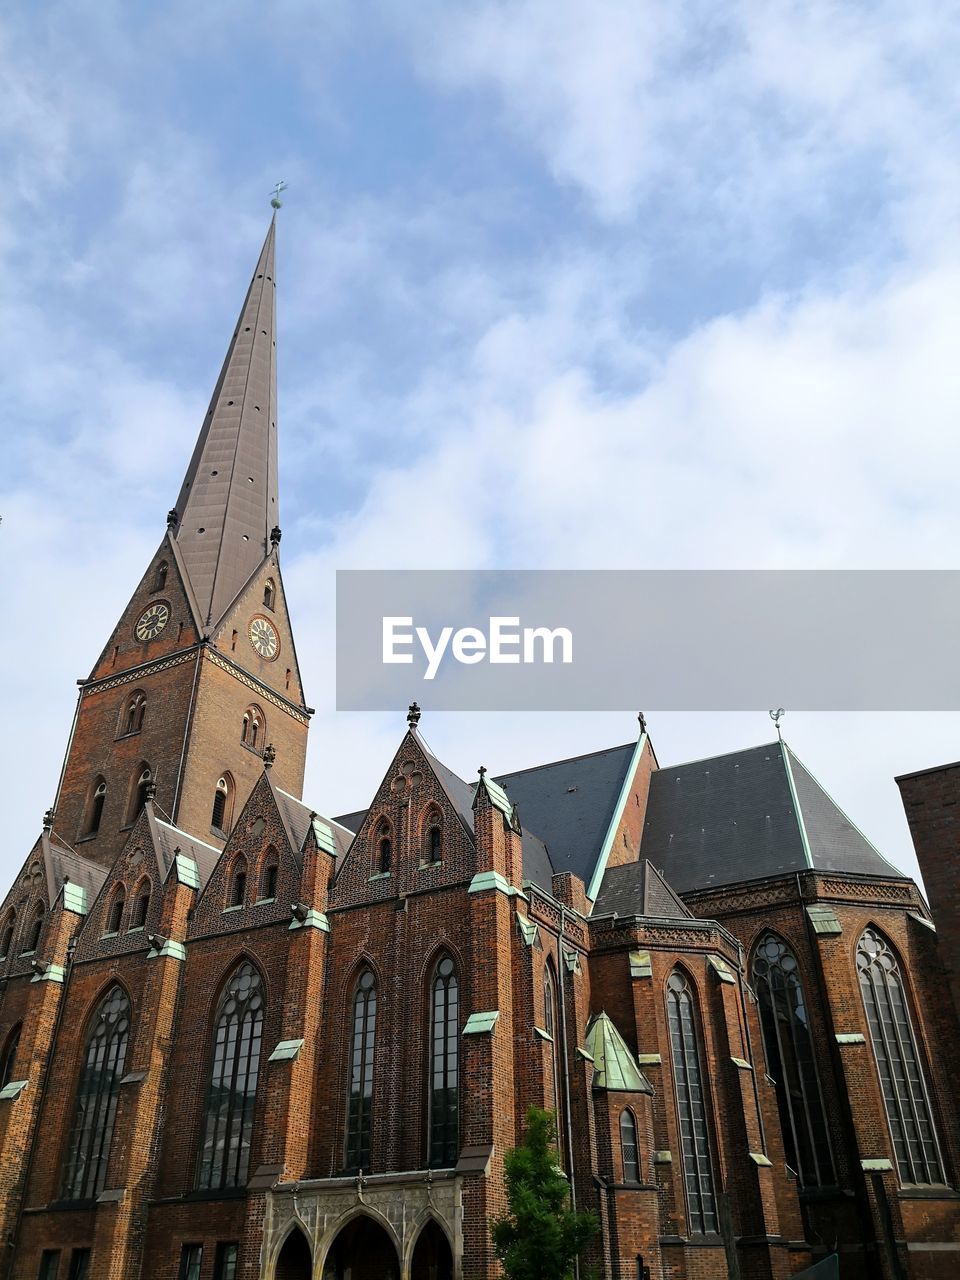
776	717
413	715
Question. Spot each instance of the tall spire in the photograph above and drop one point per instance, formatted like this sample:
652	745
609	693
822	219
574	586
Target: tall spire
228	504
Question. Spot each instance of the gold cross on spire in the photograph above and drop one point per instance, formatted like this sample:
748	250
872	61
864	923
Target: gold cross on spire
276	202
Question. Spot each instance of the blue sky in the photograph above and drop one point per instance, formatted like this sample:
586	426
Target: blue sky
561	285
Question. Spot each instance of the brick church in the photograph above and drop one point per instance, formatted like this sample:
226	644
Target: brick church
243	1037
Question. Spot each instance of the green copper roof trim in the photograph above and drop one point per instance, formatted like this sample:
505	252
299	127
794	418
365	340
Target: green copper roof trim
175	950
824	920
187	871
614	1066
640	964
621	804
721	969
572	960
742	1063
760	1159
498	797
286	1051
529	931
663	1157
480	1023
484	880
323	834
74	898
585	1054
313	920
798	812
52	973
544	1035
650	1059
927	924
876	1166
13	1089
851	1037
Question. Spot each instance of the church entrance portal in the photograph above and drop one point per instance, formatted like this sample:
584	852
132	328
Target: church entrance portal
362	1251
432	1259
295	1261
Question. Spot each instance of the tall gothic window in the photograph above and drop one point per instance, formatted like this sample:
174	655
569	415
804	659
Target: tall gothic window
10	1055
142	905
36	928
629	1150
115	915
788	1046
444	1115
88	1151
138	795
6	940
133	712
269	593
232	1093
691	1105
360	1096
238	883
98	794
383	847
898	1062
252	731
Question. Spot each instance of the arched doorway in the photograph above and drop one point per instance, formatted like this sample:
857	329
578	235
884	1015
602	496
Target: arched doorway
362	1251
432	1259
296	1259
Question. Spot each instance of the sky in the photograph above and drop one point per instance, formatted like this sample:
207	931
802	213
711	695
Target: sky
560	285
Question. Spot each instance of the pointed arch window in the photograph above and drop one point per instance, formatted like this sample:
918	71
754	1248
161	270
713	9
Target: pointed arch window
905	1096
383	846
232	1092
222	804
8	1060
160	578
268	876
139	792
238	883
115	915
132	713
36	928
691	1105
6	936
629	1151
252	730
444	1087
360	1095
142	905
269	594
94	814
788	1046
88	1150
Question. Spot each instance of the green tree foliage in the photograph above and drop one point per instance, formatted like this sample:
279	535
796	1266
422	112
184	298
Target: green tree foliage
541	1235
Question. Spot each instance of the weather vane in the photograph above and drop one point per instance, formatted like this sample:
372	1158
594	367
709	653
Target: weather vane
276	202
776	717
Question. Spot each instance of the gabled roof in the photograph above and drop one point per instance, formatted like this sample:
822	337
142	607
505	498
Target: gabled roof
170	841
614	1066
298	817
66	865
570	804
229	500
746	816
638	889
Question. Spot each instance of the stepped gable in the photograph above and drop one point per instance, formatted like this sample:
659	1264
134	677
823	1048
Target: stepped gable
749	815
638	889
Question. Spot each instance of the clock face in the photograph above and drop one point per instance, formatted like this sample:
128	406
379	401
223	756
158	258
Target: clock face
264	638
152	621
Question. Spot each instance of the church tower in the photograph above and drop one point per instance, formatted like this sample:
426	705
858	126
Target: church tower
199	677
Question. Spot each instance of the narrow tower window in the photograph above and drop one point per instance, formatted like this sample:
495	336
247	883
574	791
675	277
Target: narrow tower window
553	1046
628	1147
238	883
115	918
36	928
98	794
142	907
788	1045
220	814
138	797
898	1062
360	1097
8	1060
131	717
6	938
269	593
160	580
252	733
268	878
444	1094
232	1094
383	846
691	1108
88	1151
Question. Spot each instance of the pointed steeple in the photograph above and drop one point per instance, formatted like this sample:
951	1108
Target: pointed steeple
228	504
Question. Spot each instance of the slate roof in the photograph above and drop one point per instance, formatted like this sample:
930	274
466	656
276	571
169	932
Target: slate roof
170	839
229	500
297	816
638	889
748	815
67	864
569	804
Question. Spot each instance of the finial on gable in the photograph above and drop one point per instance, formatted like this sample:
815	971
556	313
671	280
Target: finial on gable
643	721
48	820
413	715
275	536
172	518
